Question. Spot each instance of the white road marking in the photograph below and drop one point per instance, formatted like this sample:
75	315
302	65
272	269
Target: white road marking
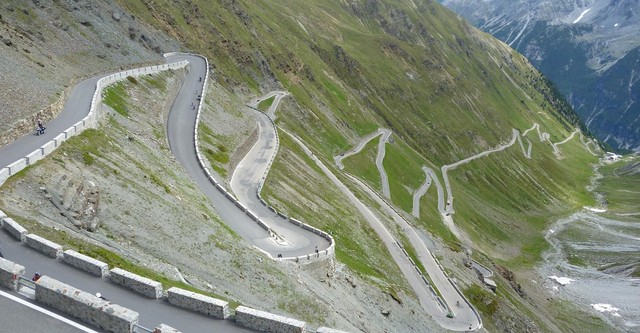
47	312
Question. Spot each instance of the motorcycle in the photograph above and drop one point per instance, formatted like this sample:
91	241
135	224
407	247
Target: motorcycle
40	130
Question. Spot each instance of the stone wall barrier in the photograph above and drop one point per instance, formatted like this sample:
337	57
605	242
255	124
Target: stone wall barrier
209	306
48	148
85	306
43	245
59	139
9	274
4	175
16	166
137	283
328	330
267	322
34	157
14	228
86	263
164	328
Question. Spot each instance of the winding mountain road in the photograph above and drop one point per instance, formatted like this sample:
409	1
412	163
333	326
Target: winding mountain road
290	240
152	312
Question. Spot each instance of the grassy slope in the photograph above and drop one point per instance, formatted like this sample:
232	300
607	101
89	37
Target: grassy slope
446	90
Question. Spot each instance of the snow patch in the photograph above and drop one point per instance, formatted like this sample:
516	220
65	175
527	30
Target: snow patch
602	307
581	16
561	280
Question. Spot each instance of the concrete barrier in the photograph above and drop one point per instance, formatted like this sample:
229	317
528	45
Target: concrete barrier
16	166
43	245
79	126
137	283
86	263
71	131
14	229
163	328
59	139
4	175
48	148
85	306
267	322
34	156
241	206
328	330
189	300
2	216
252	215
9	274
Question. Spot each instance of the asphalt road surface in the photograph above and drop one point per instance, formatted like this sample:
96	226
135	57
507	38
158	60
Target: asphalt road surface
152	312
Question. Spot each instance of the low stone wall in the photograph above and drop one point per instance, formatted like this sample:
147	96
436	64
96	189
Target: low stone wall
4	175
44	246
34	157
268	322
189	300
85	306
163	328
137	283
16	166
48	148
328	330
86	263
14	229
9	274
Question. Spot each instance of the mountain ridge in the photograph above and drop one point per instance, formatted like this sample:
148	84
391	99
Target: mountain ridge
583	47
447	91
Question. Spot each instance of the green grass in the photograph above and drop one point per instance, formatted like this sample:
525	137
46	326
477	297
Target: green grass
444	89
363	164
215	151
357	244
621	185
116	96
265	104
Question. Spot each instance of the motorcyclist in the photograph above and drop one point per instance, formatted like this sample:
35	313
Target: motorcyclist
40	129
36	277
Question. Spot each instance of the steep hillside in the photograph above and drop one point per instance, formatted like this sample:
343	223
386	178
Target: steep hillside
446	91
583	47
48	46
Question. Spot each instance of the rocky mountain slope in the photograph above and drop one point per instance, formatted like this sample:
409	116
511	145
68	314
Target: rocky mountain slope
446	91
589	49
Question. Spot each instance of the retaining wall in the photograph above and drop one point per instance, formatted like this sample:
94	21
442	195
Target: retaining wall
268	322
86	263
189	300
328	330
44	246
9	274
4	175
137	283
85	306
163	328
34	157
16	166
14	229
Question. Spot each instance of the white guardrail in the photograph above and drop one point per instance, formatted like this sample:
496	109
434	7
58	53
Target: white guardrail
90	121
